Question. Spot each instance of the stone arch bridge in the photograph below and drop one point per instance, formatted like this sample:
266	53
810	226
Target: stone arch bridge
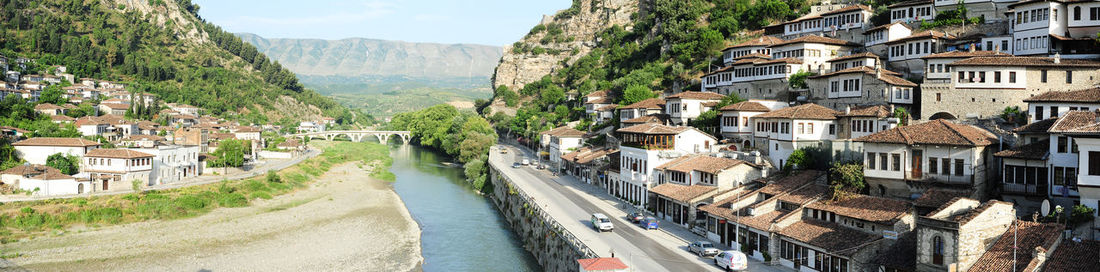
383	136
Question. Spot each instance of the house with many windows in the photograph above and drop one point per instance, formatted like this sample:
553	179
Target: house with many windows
906	53
1045	28
875	38
861	85
684	107
813	51
594	105
36	150
116	169
782	131
689	182
652	106
749	47
646	146
911	11
738	119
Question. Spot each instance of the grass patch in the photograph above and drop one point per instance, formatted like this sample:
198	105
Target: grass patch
291	204
28	219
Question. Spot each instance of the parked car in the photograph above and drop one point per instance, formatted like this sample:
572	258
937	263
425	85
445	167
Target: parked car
731	260
526	162
703	248
541	166
515	165
649	223
635	217
601	223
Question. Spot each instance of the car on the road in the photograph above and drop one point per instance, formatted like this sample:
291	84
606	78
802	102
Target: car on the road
732	260
635	217
541	166
649	223
703	248
526	162
515	165
601	223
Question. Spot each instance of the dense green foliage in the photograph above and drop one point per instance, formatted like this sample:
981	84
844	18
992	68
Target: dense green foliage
798	80
224	76
846	179
67	164
8	159
463	135
230	153
952	17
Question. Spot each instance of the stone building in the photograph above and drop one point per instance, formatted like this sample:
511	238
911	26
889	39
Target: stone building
689	182
955	236
859	86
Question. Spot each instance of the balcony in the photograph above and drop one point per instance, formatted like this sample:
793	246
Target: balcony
917	176
1023	189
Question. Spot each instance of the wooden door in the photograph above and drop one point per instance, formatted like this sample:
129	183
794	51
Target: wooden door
918	156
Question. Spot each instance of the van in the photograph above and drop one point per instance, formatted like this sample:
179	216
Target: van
732	260
601	222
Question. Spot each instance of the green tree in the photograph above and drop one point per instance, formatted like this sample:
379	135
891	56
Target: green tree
635	94
53	95
846	179
798	80
802	159
903	116
231	153
67	164
8	158
1079	215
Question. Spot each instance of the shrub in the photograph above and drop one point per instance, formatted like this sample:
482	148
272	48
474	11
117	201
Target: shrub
191	202
232	200
273	177
263	195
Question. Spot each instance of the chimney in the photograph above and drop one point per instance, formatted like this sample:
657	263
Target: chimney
891	109
1057	58
878	73
848	109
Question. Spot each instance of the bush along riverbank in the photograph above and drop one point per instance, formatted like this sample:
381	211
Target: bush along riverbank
47	217
463	135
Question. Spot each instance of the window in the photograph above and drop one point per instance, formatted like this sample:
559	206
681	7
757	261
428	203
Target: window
801	128
871	160
810	129
997	77
832	129
1069	77
896	163
932	165
1038	113
945	165
1076	13
959	167
937	250
883	161
1092	13
1063	143
1094	163
1043	76
1011	77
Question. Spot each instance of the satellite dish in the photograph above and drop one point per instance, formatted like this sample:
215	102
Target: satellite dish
1045	209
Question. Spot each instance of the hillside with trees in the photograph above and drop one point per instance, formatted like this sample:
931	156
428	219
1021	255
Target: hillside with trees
160	47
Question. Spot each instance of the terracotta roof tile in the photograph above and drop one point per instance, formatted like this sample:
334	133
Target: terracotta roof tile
682	193
746	106
870	208
827	235
815	39
607	108
52	141
879	111
652	103
117	153
1025	61
1041	126
596	94
602	100
858	69
759	41
885	26
1087	96
701	163
1077	122
1033	151
564	131
804	111
62	118
1029	236
847	9
937	132
697	96
790	183
929	34
652	128
36	171
962	54
643	120
855	56
601	264
965	217
586	155
1073	256
935	198
805	194
47	106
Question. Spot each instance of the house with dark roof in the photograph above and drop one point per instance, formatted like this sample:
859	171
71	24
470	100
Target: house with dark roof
588	164
906	53
36	150
1046	28
813	51
785	130
1024	246
1047	162
646	146
1053	104
905	161
752	76
1073	256
691	181
876	37
955	236
684	107
738	120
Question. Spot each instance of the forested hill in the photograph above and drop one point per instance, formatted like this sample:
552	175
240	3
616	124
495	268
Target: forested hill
664	46
161	47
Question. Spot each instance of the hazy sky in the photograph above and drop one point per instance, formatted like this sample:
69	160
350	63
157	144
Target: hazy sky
489	22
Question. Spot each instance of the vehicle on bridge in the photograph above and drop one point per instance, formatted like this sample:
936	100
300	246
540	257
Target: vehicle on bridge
601	223
703	248
732	260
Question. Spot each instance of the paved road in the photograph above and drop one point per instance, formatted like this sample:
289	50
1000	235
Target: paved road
574	201
262	169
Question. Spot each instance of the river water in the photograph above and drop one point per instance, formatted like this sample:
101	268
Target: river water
461	230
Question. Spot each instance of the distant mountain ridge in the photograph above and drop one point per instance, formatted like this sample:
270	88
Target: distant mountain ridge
355	57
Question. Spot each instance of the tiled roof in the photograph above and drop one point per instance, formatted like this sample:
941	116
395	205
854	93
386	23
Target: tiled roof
1077	122
1033	151
929	34
1041	126
935	198
597	94
1073	256
143	138
601	100
761	221
1026	61
1027	237
759	41
937	132
586	155
746	106
805	194
701	163
867	111
884	26
564	131
902	255
966	54
643	120
790	183
847	9
782	60
652	128
115	106
47	106
607	108
36	171
1086	96
754	55
855	56
117	153
869	208
682	193
697	96
53	141
652	103
857	69
804	111
894	80
964	218
816	39
601	264
827	235
910	3
62	118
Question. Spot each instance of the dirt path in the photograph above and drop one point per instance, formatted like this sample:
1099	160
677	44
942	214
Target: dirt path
345	221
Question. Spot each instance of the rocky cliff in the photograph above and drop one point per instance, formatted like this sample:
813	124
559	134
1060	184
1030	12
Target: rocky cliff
561	39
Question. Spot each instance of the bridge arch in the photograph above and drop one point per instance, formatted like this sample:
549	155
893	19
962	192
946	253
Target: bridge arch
942	115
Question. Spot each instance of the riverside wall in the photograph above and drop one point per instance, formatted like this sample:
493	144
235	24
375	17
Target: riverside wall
555	248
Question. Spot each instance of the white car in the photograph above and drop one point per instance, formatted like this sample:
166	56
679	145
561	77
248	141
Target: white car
601	223
526	162
731	260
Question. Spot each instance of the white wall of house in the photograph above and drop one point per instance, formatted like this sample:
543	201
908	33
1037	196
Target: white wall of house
1067	160
990	81
912	13
1088	179
38	154
57	187
127	169
1055	109
968	155
172	163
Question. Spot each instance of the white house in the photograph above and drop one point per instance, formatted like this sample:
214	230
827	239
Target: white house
938	66
644	147
907	52
559	141
310	127
43	180
1054	104
36	150
184	109
738	121
1088	179
911	11
642	108
752	46
596	105
905	161
686	106
1041	28
172	163
688	182
115	169
814	51
782	131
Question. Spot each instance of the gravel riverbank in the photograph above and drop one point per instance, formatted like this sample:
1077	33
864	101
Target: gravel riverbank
344	221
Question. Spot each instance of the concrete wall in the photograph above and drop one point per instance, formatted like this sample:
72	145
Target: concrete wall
551	244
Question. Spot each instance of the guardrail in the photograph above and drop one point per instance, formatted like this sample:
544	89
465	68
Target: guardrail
562	232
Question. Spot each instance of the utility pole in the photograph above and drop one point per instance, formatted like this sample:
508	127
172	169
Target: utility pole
1015	233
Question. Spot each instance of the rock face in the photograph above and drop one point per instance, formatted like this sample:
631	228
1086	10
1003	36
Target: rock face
182	24
587	19
368	57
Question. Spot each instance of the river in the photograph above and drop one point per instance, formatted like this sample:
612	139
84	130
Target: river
461	230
